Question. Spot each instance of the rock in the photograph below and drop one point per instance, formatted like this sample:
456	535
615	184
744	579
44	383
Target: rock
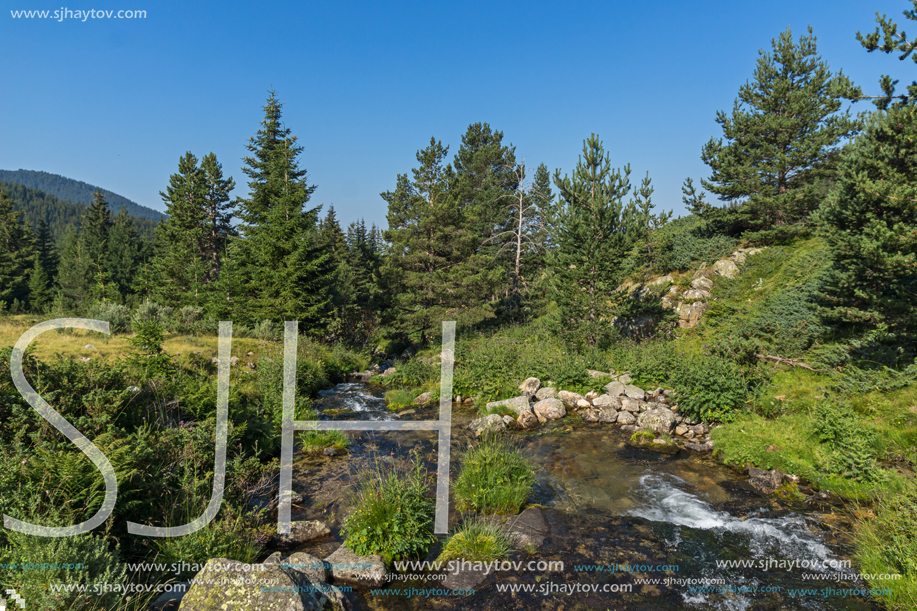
630	405
516	404
689	434
528	421
468	401
765	482
615	389
681	429
491	424
583	403
226	584
508	420
363	570
626	418
699	447
250	365
388	371
695	294
596	374
790	478
625	379
312	567
703	283
634	392
458	398
667	279
604	415
84	359
690	313
249	353
530	386
273	560
591	395
628	428
607	401
333	451
528	529
659	419
699	429
569	398
546	393
233	360
133	389
90	347
424	398
726	268
300	533
550	409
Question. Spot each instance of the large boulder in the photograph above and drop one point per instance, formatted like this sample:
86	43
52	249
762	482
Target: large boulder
605	415
528	421
314	568
626	418
301	532
765	482
546	393
487	425
607	401
631	405
550	409
517	404
227	584
702	284
615	389
659	419
569	398
530	386
634	392
424	398
362	570
726	268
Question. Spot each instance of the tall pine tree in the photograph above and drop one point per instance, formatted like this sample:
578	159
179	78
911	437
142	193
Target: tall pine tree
17	254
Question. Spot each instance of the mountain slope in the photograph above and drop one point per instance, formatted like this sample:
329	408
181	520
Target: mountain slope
76	191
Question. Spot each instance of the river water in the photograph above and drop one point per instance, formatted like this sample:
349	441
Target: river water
610	508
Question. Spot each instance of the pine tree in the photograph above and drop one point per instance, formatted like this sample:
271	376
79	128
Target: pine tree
47	250
17	254
218	213
41	292
892	41
288	267
650	222
125	254
74	271
784	127
95	234
432	266
870	221
593	231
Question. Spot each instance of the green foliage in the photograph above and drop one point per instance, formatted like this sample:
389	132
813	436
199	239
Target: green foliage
848	442
476	540
892	41
785	124
399	398
16	253
393	515
709	388
687	242
869	221
494	478
118	316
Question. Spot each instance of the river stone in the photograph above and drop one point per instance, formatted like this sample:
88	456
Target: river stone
487	425
605	415
301	532
583	403
699	447
226	584
388	371
530	386
312	567
607	401
634	392
765	482
702	284
424	398
659	420
528	529
546	393
630	405
273	560
508	420
569	398
550	409
699	429
528	421
681	429
626	418
625	379
596	374
615	389
517	404
726	268
364	570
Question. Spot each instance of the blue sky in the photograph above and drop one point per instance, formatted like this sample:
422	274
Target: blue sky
365	84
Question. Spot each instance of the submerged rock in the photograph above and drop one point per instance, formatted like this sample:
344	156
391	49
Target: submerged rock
363	570
491	424
763	481
301	532
604	415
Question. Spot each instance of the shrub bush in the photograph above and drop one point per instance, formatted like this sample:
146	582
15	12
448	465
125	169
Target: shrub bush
118	316
494	478
709	388
476	540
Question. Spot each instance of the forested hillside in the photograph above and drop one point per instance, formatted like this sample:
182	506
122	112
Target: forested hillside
76	191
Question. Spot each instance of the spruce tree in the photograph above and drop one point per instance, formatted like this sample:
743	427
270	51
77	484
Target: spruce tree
593	231
650	223
892	41
288	267
41	292
783	128
870	221
17	254
125	254
74	271
432	266
218	213
47	250
95	233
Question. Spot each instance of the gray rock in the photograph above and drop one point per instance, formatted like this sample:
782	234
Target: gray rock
332	451
363	570
607	401
626	418
508	420
634	392
90	347
550	409
630	405
695	294
659	419
233	360
699	447
516	404
491	424
528	529
703	283
625	379
596	374
423	398
530	386
615	389
388	371
528	421
273	560
765	482
301	532
605	415
583	403
546	393
569	398
699	429
312	567
628	428
726	268
681	429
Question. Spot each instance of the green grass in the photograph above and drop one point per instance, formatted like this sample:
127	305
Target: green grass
476	540
494	478
400	398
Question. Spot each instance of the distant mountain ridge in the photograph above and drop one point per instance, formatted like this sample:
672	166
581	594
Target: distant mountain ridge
76	191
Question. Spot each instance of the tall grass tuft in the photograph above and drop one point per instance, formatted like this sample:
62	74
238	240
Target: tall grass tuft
495	478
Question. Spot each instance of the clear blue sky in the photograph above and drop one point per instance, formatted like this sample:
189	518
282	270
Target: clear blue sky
365	84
